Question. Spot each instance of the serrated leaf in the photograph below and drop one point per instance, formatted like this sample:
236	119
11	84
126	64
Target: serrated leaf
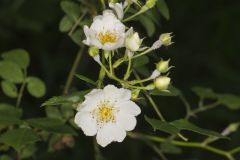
36	87
163	9
186	125
18	138
229	100
170	148
148	25
172	91
162	126
10	71
71	99
18	56
9	89
72	9
86	79
176	126
141	61
65	24
203	92
51	125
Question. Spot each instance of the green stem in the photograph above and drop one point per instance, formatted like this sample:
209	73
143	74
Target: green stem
128	72
203	108
77	23
183	144
235	150
139	81
151	100
20	94
110	64
143	9
73	70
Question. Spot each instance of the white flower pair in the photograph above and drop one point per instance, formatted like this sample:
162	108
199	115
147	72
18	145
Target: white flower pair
107	113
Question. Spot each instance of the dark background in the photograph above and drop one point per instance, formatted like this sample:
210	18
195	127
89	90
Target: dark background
206	53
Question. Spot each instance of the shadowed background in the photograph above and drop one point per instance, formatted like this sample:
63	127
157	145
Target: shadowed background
206	53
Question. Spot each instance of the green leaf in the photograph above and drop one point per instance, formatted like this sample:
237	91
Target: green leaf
65	24
10	71
170	148
9	115
9	89
172	92
71	99
72	9
86	79
143	70
141	61
229	100
163	9
162	126
185	125
18	56
28	151
76	36
18	138
36	87
51	125
10	110
176	126
203	92
148	25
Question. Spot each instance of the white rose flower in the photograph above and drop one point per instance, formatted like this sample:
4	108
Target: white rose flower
107	113
106	32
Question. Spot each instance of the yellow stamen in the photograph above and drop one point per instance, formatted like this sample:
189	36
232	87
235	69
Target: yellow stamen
107	38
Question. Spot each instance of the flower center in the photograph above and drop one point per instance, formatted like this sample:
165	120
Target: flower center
107	37
104	113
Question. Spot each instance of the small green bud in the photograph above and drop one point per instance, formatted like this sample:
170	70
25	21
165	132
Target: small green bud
151	3
162	82
150	86
163	66
166	39
93	51
107	54
133	42
135	94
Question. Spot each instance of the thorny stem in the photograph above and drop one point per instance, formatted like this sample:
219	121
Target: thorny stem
227	154
19	98
73	70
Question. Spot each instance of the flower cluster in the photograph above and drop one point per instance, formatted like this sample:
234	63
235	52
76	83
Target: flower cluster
108	113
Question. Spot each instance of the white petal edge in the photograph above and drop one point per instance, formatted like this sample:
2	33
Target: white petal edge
126	121
129	107
86	123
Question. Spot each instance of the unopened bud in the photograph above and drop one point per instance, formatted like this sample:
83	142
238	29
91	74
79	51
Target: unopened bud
162	82
151	3
133	42
163	66
93	51
166	39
